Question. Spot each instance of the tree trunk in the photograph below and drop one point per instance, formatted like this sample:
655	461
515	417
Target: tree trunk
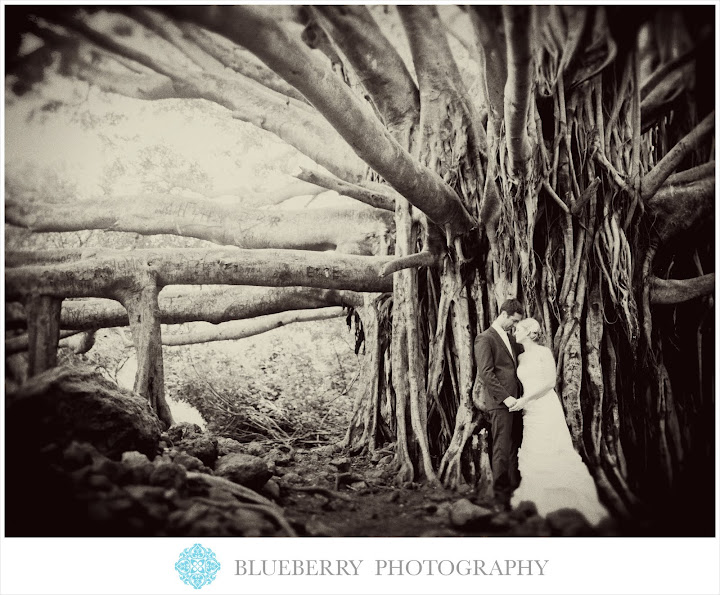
141	301
43	332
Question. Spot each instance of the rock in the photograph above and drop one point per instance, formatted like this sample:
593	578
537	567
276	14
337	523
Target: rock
317	528
358	485
190	462
133	458
271	490
524	510
243	469
502	522
168	475
78	455
341	464
255	448
183	430
568	522
75	402
228	446
534	526
200	446
443	510
277	457
464	513
386	460
292	477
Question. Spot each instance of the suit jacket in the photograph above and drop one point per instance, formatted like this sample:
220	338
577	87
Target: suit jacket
496	368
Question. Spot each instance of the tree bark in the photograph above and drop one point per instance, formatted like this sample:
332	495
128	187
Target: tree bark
676	291
213	305
256	30
377	64
43	332
201	332
275	268
352	231
140	298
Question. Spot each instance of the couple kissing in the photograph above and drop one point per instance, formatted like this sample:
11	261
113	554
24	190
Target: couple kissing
532	456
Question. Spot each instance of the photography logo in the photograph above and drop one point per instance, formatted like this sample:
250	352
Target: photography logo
197	566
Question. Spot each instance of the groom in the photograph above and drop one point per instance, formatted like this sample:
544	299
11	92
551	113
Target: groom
496	357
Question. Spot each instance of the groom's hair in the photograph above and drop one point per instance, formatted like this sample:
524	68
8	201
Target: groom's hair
512	306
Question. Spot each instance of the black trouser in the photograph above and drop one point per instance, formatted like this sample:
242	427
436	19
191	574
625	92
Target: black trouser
505	439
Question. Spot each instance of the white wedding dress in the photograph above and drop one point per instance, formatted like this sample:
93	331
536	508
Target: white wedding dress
553	476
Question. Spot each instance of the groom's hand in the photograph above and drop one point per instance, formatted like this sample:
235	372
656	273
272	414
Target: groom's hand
510	401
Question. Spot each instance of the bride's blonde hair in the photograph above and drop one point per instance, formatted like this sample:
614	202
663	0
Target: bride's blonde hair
533	328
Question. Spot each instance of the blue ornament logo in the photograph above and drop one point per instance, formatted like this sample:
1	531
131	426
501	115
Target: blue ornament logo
197	566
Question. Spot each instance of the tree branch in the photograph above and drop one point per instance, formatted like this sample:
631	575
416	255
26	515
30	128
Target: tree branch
675	209
516	20
212	305
254	28
201	332
97	277
445	104
355	231
375	198
664	71
658	174
376	62
419	259
676	291
249	101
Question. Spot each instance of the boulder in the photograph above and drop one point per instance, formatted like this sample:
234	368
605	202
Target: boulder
75	402
246	470
464	513
568	522
228	446
200	446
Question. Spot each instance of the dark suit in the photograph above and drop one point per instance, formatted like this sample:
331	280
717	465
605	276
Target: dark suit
497	369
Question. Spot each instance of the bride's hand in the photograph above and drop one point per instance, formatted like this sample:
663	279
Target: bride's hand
518	405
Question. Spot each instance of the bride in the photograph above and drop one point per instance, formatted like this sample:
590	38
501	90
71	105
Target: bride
553	474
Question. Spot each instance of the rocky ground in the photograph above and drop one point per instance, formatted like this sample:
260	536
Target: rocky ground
87	458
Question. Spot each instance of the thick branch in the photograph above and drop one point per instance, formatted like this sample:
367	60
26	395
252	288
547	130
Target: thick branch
451	134
518	87
489	30
693	174
658	174
201	332
675	209
375	198
376	62
213	305
21	342
426	258
664	71
240	60
355	231
254	28
676	291
274	268
289	119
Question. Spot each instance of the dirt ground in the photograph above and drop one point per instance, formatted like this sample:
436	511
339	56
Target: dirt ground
326	493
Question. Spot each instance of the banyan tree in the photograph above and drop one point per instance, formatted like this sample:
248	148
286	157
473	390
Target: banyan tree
560	155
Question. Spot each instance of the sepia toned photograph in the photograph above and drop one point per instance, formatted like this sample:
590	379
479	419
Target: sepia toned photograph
359	271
